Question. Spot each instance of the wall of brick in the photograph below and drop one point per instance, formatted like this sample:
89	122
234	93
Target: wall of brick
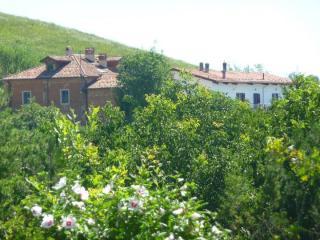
99	96
47	92
17	86
76	95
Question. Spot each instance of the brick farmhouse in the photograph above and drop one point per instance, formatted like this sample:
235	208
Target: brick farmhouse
77	82
70	81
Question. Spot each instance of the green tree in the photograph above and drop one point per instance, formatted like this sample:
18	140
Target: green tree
139	74
4	97
26	148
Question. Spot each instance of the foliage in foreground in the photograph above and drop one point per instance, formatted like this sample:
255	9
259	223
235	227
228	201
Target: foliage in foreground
102	199
255	172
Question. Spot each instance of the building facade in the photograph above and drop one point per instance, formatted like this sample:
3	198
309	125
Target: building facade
68	82
259	89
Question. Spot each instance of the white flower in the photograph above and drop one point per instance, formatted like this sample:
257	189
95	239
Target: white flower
195	216
61	184
84	194
215	230
141	190
183	190
47	221
134	204
178	211
162	211
36	211
78	189
107	189
68	222
80	205
91	221
184	187
171	237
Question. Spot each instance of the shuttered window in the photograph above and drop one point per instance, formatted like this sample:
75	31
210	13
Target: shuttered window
241	96
256	98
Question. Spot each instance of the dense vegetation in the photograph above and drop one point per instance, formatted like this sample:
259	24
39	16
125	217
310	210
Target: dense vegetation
23	42
185	163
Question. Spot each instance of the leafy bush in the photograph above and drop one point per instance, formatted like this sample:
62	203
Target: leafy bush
113	203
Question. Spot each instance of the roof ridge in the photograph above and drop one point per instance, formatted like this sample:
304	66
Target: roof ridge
237	76
79	64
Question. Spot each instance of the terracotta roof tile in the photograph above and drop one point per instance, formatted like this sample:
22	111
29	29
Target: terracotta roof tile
238	77
70	69
106	80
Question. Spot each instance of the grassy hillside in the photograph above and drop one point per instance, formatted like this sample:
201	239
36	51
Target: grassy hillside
23	42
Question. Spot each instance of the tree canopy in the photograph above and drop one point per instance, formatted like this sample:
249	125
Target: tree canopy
140	74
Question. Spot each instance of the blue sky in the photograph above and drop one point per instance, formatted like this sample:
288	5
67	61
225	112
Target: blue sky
282	35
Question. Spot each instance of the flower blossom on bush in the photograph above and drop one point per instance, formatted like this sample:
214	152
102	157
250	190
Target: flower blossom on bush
68	222
107	189
195	216
84	194
134	204
47	221
170	237
61	184
162	211
79	204
215	230
91	221
78	189
183	190
36	211
178	211
141	190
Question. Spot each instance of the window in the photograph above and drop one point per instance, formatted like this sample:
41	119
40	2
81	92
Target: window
241	96
64	96
275	96
256	98
51	67
26	97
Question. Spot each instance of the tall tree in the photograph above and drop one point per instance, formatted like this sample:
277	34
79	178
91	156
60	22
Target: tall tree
139	74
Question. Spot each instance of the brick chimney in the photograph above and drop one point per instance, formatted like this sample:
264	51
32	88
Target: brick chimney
89	53
68	51
103	60
201	66
206	67
224	70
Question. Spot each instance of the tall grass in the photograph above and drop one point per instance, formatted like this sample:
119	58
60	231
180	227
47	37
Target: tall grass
23	42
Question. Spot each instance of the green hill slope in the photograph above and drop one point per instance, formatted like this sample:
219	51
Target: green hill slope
23	42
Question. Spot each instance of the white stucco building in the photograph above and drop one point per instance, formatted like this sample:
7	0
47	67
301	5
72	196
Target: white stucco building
257	88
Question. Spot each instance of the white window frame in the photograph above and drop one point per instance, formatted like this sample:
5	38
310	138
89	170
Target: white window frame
68	103
22	96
